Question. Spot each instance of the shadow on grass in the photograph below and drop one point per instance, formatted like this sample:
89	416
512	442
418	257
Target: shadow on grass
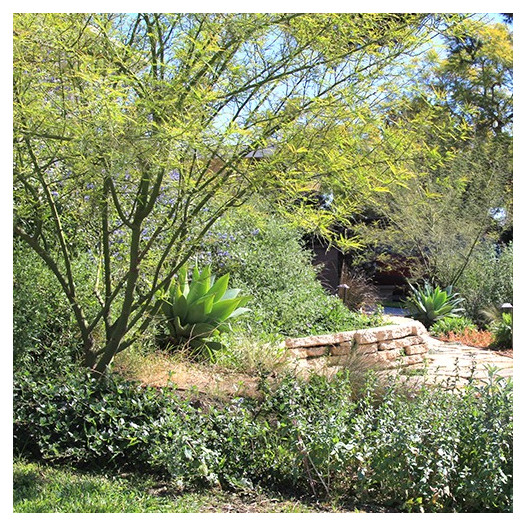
38	489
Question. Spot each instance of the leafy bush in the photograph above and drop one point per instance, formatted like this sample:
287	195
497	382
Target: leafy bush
432	451
85	421
503	332
40	311
487	280
452	325
429	305
500	324
440	451
196	311
43	324
266	258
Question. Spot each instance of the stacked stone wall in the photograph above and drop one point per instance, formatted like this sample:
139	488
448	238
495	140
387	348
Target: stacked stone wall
400	345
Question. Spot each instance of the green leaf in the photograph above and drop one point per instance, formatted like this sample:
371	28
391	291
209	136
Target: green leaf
166	309
180	308
200	284
238	312
181	330
199	310
230	294
219	288
183	279
223	309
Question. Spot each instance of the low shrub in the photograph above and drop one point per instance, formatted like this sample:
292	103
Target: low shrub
431	450
43	324
452	325
440	451
80	420
503	332
41	316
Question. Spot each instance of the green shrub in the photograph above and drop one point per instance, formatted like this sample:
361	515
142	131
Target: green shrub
266	258
440	451
503	332
429	305
80	420
487	280
455	325
432	450
43	324
41	314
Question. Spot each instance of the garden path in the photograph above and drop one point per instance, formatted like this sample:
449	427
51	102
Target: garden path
456	362
453	364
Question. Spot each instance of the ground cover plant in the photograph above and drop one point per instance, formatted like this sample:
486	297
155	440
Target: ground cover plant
497	333
448	325
429	450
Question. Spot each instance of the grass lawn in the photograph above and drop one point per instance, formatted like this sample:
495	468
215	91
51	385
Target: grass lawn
45	489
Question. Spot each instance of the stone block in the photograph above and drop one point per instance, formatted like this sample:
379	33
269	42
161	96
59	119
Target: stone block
416	349
314	352
316	341
298	353
318	365
418	329
366	348
389	355
379	334
411	360
341	361
399	343
341	349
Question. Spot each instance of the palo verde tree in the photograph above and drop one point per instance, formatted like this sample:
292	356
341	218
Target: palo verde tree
440	218
133	134
436	224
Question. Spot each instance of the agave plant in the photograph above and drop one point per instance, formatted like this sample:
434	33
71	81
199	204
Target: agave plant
198	309
428	304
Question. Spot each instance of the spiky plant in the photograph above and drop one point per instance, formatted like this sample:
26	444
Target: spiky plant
198	309
429	305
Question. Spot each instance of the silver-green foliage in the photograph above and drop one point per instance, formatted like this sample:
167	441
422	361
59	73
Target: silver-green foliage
429	305
196	310
435	451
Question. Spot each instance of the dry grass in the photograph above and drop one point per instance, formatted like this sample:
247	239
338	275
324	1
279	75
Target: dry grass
158	369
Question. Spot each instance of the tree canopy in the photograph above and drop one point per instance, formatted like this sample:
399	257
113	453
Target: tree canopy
133	134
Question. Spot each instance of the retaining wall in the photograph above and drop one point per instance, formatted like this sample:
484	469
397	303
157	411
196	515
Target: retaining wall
400	345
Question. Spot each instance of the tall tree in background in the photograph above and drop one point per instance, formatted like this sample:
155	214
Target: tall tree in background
440	218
